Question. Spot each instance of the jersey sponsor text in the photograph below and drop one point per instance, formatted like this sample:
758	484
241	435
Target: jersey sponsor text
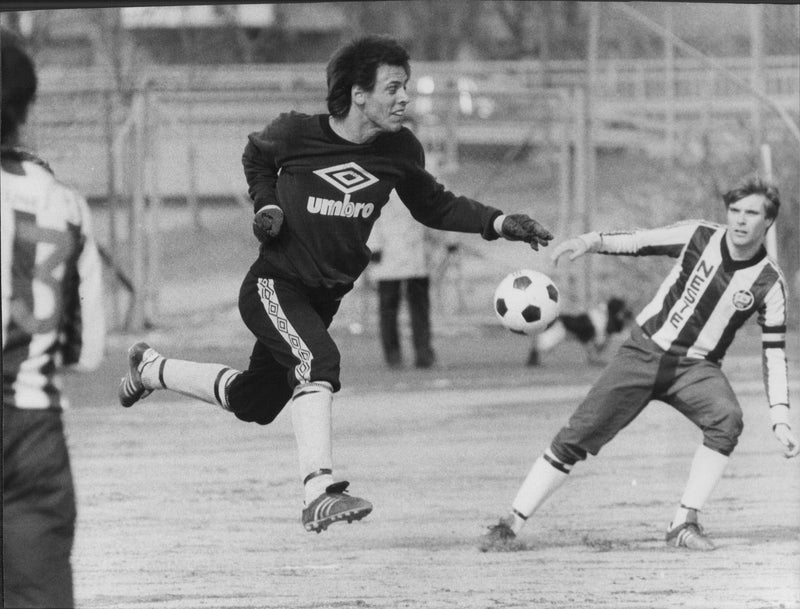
344	208
694	287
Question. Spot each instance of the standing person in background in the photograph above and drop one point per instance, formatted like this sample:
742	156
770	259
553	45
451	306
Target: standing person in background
52	317
722	277
400	264
318	184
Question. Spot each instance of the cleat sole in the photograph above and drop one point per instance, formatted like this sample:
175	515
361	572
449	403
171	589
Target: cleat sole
321	525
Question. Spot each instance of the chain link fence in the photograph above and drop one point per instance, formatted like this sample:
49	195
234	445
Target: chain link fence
603	143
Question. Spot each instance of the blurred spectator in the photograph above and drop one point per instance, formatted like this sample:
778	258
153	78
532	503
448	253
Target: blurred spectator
400	264
52	316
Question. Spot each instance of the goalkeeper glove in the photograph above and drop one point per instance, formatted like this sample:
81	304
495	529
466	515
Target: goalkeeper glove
267	223
521	227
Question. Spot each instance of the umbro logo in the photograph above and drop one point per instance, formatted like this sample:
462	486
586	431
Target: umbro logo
348	177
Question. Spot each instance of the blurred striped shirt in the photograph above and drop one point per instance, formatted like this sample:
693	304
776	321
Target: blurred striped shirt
52	303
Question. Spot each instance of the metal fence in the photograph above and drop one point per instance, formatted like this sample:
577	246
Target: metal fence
500	131
79	114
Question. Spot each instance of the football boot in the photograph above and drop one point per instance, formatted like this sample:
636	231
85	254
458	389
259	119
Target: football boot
689	535
500	538
131	387
334	505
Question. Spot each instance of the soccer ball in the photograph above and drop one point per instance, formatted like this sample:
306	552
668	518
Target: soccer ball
526	301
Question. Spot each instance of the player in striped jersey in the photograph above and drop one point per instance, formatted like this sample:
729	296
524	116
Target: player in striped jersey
51	284
722	277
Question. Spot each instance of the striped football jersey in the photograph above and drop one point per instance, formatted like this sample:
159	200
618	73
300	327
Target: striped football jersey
52	300
707	296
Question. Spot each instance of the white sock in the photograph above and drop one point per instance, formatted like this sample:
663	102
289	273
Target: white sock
206	382
311	420
547	474
707	469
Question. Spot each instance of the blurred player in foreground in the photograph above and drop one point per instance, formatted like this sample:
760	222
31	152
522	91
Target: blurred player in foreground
318	184
52	317
722	276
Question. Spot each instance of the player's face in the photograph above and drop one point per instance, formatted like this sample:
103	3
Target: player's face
385	105
747	221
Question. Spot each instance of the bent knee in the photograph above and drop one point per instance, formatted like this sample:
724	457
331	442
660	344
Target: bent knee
567	453
253	399
723	435
256	416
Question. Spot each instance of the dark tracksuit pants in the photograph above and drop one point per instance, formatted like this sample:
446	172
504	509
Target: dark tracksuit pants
417	292
38	510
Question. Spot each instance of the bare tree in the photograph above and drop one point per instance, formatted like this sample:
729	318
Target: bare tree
431	29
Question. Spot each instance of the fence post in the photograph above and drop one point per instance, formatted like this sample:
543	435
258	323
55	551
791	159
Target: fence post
111	191
757	68
565	122
588	295
772	233
136	315
669	84
191	155
153	199
451	127
577	285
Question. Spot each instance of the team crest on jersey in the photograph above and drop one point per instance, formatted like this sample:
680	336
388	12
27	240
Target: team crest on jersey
743	300
348	177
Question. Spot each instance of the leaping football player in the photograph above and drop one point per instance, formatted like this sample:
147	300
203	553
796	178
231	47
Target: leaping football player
722	277
318	184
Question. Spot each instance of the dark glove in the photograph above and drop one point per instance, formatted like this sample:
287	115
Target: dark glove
520	227
267	223
376	256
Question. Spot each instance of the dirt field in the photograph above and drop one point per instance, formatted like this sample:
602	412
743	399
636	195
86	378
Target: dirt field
182	506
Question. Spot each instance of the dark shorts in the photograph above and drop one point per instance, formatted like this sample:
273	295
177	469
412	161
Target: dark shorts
290	322
38	510
640	372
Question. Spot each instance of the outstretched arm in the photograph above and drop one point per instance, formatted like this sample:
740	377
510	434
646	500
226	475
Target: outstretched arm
436	207
520	227
576	247
663	241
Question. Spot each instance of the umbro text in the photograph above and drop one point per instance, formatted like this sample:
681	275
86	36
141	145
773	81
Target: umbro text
345	208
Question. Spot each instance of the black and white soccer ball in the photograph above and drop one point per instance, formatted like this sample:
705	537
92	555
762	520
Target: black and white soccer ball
526	301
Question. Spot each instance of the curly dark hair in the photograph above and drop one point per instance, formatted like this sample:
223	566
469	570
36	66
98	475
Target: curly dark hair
19	84
755	186
357	63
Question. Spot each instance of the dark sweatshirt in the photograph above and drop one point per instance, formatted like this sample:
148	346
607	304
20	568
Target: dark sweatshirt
331	192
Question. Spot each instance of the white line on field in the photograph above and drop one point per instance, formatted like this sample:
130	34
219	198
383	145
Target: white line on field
305	567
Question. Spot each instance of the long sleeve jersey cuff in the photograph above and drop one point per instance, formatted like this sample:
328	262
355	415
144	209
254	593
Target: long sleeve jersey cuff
267	206
779	415
497	225
592	240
